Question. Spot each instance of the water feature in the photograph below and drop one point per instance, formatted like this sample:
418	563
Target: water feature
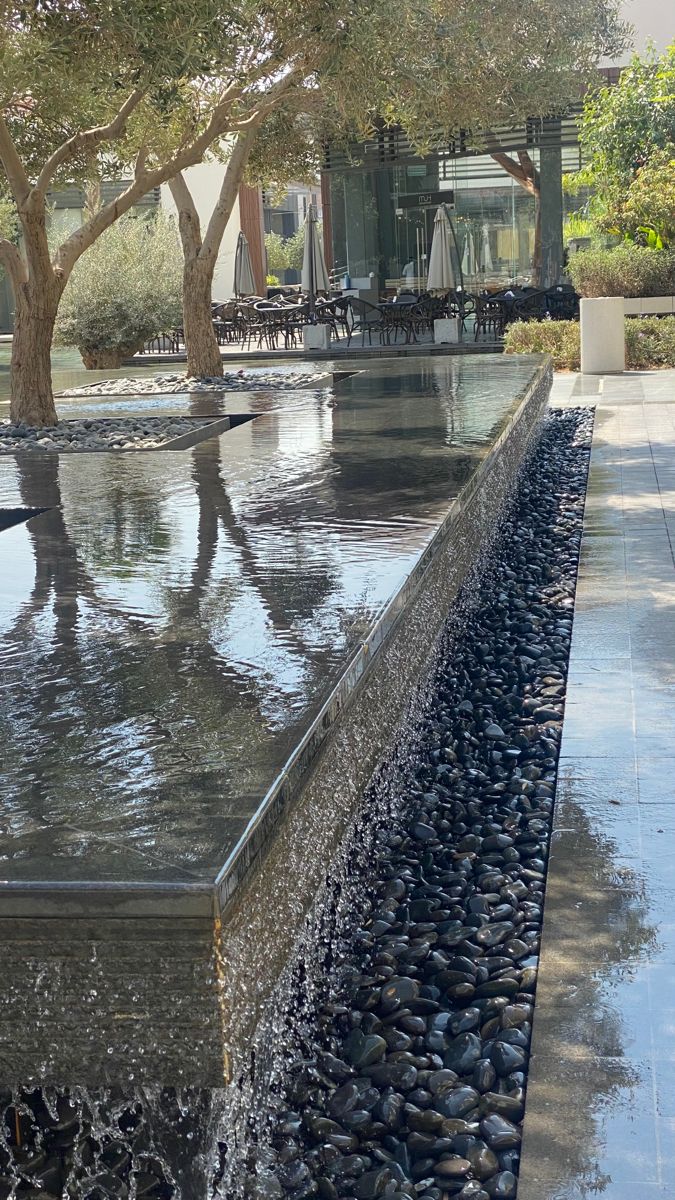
171	634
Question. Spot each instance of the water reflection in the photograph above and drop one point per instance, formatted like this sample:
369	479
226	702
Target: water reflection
175	619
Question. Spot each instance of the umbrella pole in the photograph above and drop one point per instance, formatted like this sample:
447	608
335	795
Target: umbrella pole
312	297
454	238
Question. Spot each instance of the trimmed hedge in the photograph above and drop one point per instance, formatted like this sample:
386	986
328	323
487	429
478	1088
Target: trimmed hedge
626	270
650	342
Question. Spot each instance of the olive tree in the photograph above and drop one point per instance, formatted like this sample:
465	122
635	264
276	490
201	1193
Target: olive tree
143	88
125	290
129	89
434	68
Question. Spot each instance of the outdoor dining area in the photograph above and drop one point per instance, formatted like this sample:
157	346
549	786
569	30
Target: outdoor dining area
442	311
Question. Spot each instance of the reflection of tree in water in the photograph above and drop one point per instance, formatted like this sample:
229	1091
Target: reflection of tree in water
598	934
135	720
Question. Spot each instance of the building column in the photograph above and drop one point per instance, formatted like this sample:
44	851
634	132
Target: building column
551	201
252	225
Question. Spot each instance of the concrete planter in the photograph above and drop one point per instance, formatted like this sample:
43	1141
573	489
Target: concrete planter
603	342
446	330
639	306
316	337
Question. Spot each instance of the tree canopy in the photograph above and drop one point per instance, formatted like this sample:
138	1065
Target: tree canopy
142	89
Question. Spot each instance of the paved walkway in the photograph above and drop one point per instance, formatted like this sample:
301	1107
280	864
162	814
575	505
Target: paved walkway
601	1101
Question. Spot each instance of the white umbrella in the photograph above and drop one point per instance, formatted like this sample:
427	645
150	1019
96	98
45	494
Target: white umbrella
486	253
314	276
441	277
469	259
244	283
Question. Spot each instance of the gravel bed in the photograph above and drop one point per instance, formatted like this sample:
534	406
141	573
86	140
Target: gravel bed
170	384
410	1084
119	433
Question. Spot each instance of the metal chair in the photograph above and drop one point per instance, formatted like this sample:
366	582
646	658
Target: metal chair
366	319
490	316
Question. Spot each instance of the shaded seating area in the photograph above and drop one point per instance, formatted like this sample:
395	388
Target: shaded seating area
277	322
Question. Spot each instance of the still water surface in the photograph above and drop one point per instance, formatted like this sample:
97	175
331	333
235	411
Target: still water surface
175	620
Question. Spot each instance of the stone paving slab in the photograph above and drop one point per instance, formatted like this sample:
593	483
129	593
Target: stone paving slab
600	1116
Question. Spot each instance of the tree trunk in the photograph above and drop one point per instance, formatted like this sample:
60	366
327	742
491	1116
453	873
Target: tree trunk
107	359
536	253
203	351
32	398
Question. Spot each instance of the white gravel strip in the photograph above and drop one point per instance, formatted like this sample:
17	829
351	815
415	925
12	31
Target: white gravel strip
170	384
123	433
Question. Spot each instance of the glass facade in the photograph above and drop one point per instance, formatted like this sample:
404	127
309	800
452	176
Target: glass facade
382	216
382	221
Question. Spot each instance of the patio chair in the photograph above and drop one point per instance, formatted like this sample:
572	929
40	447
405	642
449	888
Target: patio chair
562	303
530	307
491	312
366	319
343	314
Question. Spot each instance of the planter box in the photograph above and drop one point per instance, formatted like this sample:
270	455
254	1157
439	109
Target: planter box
446	330
603	342
316	337
639	306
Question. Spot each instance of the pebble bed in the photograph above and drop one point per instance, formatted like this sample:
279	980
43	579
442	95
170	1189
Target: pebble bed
411	1085
171	384
409	1079
119	433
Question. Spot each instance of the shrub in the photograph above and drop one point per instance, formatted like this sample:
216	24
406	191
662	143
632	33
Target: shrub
625	270
650	342
560	339
124	290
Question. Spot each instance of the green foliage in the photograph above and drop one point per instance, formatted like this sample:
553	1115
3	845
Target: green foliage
271	280
560	339
277	253
9	224
650	342
125	289
296	247
647	210
69	67
623	125
578	225
625	270
627	134
286	253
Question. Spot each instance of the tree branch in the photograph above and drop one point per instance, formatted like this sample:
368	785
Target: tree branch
514	169
14	168
189	225
188	156
88	139
234	173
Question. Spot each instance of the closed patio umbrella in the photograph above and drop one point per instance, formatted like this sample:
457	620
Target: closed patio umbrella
441	277
486	254
469	258
314	276
244	283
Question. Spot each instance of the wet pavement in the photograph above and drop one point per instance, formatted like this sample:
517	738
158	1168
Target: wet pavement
174	621
600	1114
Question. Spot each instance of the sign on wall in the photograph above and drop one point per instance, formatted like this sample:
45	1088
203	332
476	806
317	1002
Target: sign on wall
425	199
